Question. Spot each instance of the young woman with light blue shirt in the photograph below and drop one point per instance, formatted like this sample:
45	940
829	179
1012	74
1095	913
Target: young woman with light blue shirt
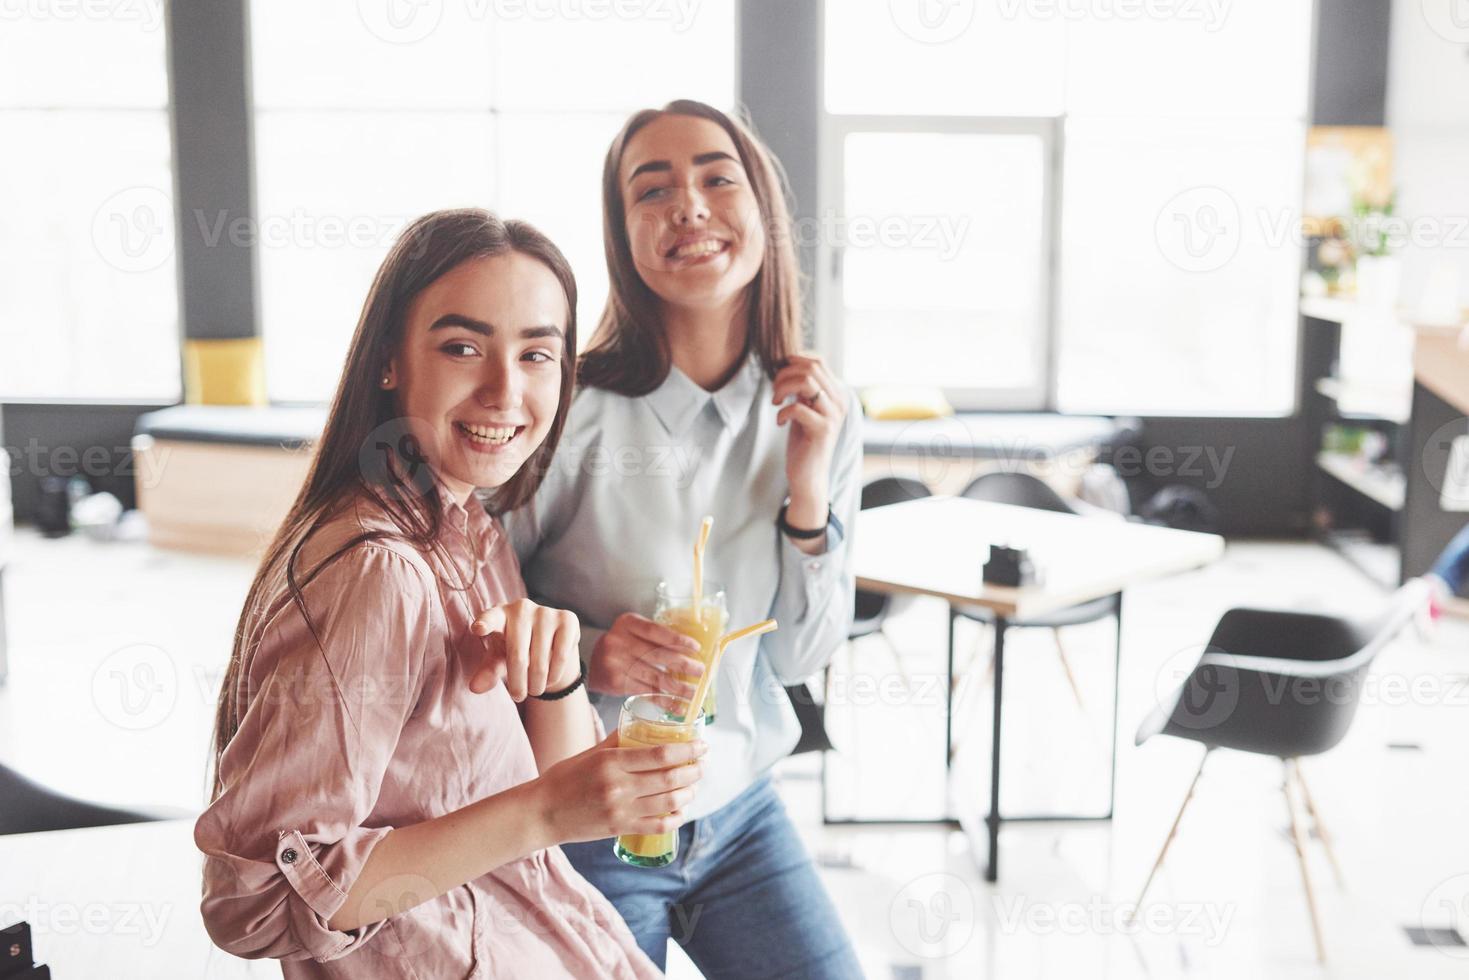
695	400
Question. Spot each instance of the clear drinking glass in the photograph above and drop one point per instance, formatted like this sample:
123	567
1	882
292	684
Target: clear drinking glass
675	609
649	720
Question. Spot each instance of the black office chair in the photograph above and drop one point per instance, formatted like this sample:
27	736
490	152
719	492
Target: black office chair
1284	684
869	618
870	612
29	807
872	609
1024	490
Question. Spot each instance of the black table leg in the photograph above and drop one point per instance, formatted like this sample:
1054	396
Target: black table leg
992	869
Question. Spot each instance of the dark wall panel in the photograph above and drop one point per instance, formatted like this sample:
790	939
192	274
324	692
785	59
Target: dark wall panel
1427	527
209	85
780	86
1350	84
69	440
1257	472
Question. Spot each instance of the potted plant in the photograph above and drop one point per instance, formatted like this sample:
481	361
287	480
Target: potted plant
1378	273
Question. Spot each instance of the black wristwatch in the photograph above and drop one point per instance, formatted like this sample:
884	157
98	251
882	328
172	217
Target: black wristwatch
581	678
801	534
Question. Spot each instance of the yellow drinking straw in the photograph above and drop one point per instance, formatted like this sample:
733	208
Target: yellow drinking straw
699	546
696	703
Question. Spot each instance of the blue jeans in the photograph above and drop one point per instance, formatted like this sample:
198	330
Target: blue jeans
1453	563
742	897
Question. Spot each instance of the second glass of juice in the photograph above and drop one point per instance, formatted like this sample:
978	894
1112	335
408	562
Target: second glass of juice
707	623
649	720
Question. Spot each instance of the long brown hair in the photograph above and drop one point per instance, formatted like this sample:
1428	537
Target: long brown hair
629	352
367	449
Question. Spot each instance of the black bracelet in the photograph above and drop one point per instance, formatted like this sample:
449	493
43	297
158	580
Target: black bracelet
581	678
802	534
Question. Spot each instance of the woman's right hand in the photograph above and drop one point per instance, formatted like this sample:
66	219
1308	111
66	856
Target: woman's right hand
607	791
639	656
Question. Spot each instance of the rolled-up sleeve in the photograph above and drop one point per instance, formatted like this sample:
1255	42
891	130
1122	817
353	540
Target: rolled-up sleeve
813	602
321	717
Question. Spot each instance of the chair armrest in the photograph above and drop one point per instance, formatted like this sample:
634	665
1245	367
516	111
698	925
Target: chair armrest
1284	667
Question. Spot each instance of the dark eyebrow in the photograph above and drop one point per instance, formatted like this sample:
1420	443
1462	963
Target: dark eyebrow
459	320
663	165
650	167
488	330
712	157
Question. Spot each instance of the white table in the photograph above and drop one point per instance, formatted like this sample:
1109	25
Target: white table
116	902
937	546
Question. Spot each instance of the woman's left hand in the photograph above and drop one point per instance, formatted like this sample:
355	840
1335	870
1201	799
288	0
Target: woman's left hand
532	648
815	417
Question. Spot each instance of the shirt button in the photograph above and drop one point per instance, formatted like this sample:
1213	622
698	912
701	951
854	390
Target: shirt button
288	856
816	566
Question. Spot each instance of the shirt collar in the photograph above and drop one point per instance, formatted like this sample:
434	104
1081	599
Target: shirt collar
452	510
679	400
732	402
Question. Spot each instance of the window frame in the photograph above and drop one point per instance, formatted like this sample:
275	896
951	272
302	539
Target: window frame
827	281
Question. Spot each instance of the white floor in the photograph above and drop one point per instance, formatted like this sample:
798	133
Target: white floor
116	652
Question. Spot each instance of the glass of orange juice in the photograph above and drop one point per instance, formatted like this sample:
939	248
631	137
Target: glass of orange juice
648	720
707	623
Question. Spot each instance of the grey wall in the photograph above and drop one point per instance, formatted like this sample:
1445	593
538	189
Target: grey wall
1269	484
780	86
209	87
68	440
1264	488
208	65
1427	527
1350	74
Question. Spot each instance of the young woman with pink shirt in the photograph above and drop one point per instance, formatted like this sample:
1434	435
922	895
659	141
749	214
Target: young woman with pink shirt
403	739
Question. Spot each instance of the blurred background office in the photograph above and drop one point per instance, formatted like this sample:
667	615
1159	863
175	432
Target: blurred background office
1195	266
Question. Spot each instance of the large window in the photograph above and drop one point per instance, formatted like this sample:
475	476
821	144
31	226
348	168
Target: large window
1169	284
89	309
368	115
927	295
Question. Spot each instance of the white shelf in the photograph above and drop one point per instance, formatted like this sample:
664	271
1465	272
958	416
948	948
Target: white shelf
1367	402
1386	487
1331	308
1339	309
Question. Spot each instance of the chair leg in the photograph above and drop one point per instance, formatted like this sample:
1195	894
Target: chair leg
897	659
1172	832
961	694
963	682
1318	825
1066	666
957	688
1300	842
989	666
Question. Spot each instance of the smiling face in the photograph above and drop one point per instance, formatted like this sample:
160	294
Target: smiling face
693	223
478	373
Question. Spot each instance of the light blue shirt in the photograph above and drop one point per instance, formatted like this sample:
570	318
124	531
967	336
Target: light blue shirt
619	511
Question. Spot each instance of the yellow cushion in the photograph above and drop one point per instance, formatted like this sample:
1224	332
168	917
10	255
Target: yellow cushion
224	372
898	402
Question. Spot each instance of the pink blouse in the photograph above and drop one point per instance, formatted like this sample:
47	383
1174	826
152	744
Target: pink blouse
374	729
